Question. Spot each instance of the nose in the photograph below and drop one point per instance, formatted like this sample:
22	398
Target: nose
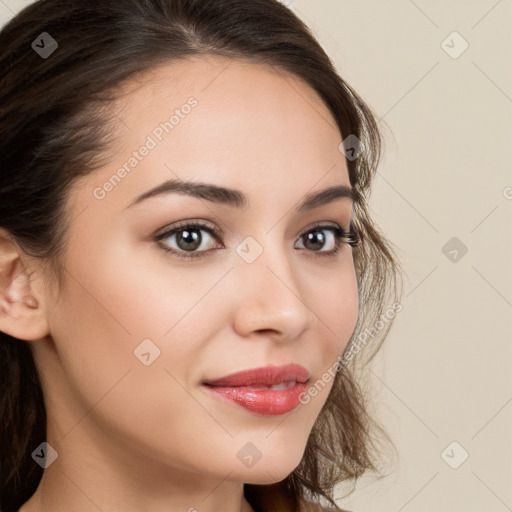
271	297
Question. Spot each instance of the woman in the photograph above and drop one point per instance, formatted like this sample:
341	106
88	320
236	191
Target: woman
188	263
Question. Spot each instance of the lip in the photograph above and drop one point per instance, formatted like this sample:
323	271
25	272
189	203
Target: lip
250	388
265	376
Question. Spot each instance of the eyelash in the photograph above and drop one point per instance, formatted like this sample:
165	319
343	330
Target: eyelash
349	236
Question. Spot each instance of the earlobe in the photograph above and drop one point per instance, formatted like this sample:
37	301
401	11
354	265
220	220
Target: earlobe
21	313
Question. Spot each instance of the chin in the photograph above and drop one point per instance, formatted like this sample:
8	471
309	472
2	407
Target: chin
271	472
264	477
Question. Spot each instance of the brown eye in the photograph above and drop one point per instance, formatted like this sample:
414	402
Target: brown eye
317	239
197	240
189	240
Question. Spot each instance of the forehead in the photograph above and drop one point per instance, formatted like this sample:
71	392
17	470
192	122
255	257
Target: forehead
213	76
240	105
239	124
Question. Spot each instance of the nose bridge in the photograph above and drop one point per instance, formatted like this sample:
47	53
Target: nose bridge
270	296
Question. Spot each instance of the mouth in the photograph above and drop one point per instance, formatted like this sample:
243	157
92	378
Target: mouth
267	391
266	376
282	385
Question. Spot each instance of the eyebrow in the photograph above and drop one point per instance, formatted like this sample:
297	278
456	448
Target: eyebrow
237	199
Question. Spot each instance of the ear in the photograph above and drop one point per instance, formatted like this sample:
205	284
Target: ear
21	303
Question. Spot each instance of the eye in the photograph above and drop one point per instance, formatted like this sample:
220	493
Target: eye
190	243
315	239
189	240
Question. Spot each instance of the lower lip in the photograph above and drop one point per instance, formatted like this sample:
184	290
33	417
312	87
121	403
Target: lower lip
267	402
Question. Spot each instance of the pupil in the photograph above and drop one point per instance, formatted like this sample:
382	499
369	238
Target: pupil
189	239
318	239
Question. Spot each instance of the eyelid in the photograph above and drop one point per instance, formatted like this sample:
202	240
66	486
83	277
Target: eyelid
350	232
320	224
167	230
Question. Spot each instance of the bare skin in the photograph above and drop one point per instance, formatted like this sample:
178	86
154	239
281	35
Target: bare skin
135	437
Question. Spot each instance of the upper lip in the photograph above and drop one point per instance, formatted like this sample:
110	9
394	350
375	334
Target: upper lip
264	376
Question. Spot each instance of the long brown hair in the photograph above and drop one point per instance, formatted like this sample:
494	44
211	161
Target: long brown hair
54	128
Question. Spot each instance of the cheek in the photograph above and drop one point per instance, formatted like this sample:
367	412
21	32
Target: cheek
127	290
119	305
338	310
111	308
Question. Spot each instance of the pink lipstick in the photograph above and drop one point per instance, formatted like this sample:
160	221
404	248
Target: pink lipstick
268	391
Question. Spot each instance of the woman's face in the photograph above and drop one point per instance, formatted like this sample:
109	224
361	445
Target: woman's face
135	330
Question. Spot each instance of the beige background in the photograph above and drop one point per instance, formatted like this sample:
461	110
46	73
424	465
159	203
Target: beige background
444	373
